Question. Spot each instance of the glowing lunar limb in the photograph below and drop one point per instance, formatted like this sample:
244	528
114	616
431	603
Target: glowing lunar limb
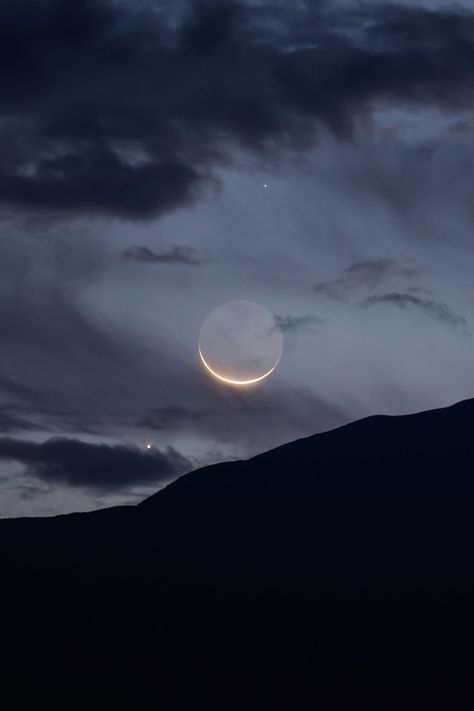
235	382
240	344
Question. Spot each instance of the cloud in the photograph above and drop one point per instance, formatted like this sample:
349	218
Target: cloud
434	309
98	466
126	109
11	421
72	362
168	255
294	323
174	417
368	274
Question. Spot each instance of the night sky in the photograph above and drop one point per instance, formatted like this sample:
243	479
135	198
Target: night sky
160	158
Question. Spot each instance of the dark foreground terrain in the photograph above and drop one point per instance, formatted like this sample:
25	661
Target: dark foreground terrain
329	571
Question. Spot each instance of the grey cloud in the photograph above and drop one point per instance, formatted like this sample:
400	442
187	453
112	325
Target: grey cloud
368	274
175	417
65	362
294	323
231	417
52	331
9	422
166	255
75	369
98	466
126	109
434	309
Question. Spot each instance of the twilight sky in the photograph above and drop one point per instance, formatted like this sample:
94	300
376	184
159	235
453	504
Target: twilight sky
137	138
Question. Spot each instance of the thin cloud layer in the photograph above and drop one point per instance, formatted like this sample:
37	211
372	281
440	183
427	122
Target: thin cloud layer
170	255
368	274
126	109
434	309
294	323
11	422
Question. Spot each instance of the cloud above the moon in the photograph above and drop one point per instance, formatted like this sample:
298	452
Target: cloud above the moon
127	109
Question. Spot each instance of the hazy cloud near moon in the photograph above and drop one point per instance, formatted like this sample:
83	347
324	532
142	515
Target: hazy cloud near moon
294	323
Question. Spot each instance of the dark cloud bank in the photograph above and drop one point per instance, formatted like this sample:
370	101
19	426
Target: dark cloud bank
125	108
98	466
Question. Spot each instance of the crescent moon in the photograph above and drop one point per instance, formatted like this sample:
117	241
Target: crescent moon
231	381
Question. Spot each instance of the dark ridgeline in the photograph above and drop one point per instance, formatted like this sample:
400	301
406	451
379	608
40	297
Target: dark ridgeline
334	569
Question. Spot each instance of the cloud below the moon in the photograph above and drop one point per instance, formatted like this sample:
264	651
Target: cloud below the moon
103	467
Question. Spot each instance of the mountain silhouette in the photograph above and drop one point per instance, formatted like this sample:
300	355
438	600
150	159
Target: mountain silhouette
334	569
